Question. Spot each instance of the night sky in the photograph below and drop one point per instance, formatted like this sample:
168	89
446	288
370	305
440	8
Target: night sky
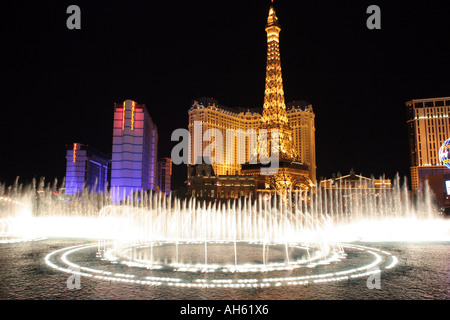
60	85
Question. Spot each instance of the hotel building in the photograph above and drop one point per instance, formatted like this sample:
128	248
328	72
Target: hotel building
85	168
164	176
294	122
353	184
211	115
428	128
204	184
301	117
134	152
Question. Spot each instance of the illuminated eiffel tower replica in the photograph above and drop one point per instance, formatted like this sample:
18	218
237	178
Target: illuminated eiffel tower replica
290	174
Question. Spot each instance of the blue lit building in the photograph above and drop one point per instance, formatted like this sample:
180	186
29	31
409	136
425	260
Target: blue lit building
134	152
86	168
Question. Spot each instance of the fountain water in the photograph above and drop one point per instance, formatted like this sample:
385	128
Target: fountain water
159	221
292	230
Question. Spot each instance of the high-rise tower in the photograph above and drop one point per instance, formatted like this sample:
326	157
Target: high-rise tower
429	127
134	156
294	145
290	173
274	112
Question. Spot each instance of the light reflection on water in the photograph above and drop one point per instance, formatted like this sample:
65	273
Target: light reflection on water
422	273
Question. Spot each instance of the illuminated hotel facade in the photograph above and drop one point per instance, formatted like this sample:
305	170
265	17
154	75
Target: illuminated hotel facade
428	128
208	114
134	152
204	184
353	184
211	115
301	118
86	168
294	121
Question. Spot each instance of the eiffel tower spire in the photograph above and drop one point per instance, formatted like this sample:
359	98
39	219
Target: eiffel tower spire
275	135
274	113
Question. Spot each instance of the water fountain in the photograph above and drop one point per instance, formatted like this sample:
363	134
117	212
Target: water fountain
240	243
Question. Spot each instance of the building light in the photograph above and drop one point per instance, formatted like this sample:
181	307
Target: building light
75	147
132	114
123	117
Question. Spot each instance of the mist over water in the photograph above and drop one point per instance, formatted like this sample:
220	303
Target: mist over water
296	238
317	215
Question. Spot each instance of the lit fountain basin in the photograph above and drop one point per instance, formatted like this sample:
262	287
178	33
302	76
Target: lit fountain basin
221	256
260	242
79	260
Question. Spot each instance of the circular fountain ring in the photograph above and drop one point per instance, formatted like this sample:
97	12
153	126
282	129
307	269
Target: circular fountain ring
79	260
216	256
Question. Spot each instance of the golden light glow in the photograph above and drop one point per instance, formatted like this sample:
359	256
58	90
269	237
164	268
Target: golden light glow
274	113
123	116
295	125
75	147
132	114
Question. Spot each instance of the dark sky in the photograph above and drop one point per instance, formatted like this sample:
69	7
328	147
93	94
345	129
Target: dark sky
60	85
